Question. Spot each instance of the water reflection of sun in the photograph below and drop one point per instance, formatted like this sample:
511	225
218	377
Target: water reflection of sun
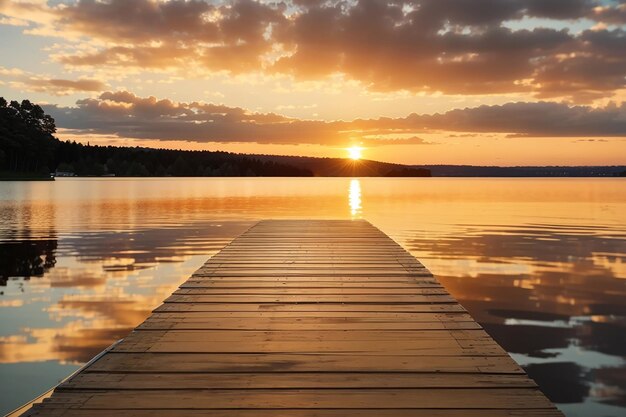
354	198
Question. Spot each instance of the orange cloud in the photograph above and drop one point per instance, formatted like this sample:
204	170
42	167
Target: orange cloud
63	87
55	86
450	46
126	115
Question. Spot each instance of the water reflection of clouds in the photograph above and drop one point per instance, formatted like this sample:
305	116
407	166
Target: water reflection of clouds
143	248
99	286
552	296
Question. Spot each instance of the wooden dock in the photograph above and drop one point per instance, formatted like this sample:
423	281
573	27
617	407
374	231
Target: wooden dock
314	318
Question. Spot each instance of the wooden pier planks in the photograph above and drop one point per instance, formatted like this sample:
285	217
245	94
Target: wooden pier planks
305	318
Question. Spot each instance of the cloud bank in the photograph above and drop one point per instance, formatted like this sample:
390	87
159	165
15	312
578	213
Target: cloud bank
126	115
449	46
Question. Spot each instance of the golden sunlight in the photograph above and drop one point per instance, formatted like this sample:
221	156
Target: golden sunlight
354	197
355	152
237	124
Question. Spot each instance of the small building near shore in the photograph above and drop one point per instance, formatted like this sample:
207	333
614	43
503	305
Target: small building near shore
63	174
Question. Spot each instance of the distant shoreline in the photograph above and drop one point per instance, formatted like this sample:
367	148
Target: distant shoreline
527	171
33	179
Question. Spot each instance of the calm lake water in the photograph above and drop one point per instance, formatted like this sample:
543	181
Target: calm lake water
540	263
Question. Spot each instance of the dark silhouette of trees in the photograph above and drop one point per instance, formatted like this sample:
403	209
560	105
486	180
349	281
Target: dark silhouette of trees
26	137
26	258
87	160
408	172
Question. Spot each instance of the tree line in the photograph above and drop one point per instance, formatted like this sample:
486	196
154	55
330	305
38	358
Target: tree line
87	160
28	146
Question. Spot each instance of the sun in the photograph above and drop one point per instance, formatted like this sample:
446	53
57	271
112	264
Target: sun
355	152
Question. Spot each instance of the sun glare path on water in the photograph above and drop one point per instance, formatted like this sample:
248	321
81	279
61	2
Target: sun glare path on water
354	197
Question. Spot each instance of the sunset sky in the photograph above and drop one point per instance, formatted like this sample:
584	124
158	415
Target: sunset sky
482	82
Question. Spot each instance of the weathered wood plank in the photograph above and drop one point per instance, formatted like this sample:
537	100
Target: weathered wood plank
354	336
260	363
321	316
70	412
188	381
286	298
440	343
311	307
414	278
290	326
426	398
309	291
152	342
258	284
